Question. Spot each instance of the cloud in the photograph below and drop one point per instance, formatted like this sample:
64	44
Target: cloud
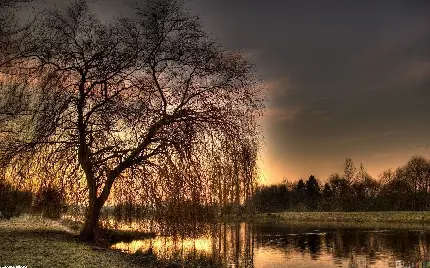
330	111
359	137
284	113
250	53
382	155
394	39
281	86
416	72
425	146
407	75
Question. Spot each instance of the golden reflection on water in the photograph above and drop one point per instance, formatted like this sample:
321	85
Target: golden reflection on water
167	246
276	258
128	226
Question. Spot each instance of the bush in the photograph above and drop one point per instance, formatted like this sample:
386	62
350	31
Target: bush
50	202
13	202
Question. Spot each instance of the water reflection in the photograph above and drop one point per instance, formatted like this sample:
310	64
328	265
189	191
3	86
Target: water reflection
251	245
167	247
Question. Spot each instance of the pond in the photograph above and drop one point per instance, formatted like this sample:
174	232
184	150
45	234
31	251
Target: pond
283	245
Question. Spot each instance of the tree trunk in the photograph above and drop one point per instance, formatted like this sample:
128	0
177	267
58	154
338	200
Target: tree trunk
92	217
90	230
95	204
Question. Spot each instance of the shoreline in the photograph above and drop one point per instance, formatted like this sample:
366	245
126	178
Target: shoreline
375	216
38	242
373	219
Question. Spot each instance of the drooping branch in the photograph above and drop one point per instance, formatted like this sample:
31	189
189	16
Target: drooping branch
142	94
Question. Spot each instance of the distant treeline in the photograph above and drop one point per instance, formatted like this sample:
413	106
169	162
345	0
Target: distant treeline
406	188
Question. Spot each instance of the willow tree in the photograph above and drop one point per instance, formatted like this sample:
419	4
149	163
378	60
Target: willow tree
114	96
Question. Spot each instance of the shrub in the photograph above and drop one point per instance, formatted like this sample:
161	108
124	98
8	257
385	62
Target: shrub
13	202
50	202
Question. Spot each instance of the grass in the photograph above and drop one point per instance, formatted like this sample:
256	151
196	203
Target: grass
384	219
36	242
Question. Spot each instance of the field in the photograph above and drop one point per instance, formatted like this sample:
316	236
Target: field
383	219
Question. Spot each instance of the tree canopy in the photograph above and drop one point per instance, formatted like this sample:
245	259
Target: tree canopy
128	98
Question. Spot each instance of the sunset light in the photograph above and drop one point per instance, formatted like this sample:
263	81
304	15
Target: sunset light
215	134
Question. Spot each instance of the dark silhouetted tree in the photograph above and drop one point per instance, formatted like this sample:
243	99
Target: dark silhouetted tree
299	194
313	193
342	192
349	170
132	98
273	198
365	189
394	194
327	197
416	174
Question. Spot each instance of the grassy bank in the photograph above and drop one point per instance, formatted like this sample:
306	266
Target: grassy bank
36	242
379	216
385	219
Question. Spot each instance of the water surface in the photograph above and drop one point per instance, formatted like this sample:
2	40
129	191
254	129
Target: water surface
269	245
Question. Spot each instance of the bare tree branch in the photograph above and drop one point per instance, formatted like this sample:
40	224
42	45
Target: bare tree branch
129	95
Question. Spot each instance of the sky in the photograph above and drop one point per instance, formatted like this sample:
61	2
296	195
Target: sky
345	79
